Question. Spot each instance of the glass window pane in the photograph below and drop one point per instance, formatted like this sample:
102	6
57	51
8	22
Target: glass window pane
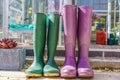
96	4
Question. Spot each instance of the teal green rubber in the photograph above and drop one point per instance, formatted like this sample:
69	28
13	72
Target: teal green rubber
52	40
39	39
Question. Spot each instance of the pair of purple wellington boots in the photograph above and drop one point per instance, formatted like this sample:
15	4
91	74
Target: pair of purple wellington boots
79	29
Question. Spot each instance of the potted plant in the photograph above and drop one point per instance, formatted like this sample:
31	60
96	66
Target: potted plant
11	56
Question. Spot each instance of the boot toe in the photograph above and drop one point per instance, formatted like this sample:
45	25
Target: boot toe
37	69
85	73
51	71
68	71
33	72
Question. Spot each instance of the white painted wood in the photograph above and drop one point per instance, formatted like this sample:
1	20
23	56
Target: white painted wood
115	3
23	11
60	24
5	17
109	19
67	2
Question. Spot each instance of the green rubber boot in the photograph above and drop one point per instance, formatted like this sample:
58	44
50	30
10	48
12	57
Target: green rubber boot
36	69
51	69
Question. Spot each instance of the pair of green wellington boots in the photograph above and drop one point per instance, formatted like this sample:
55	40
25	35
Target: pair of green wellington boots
38	67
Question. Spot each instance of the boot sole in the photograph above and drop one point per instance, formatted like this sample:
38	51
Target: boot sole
68	77
85	76
65	75
33	75
51	75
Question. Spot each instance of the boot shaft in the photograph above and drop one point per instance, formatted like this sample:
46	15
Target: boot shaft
70	27
84	30
84	24
39	19
52	38
39	36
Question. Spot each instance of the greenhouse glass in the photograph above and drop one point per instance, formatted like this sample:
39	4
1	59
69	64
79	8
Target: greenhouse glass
96	4
21	16
20	12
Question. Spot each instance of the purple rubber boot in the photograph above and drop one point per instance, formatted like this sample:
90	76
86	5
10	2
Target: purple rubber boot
84	32
70	30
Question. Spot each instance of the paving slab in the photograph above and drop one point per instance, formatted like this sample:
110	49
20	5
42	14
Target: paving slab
20	75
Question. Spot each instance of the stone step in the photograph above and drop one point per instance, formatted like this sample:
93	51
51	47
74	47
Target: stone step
96	62
94	51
